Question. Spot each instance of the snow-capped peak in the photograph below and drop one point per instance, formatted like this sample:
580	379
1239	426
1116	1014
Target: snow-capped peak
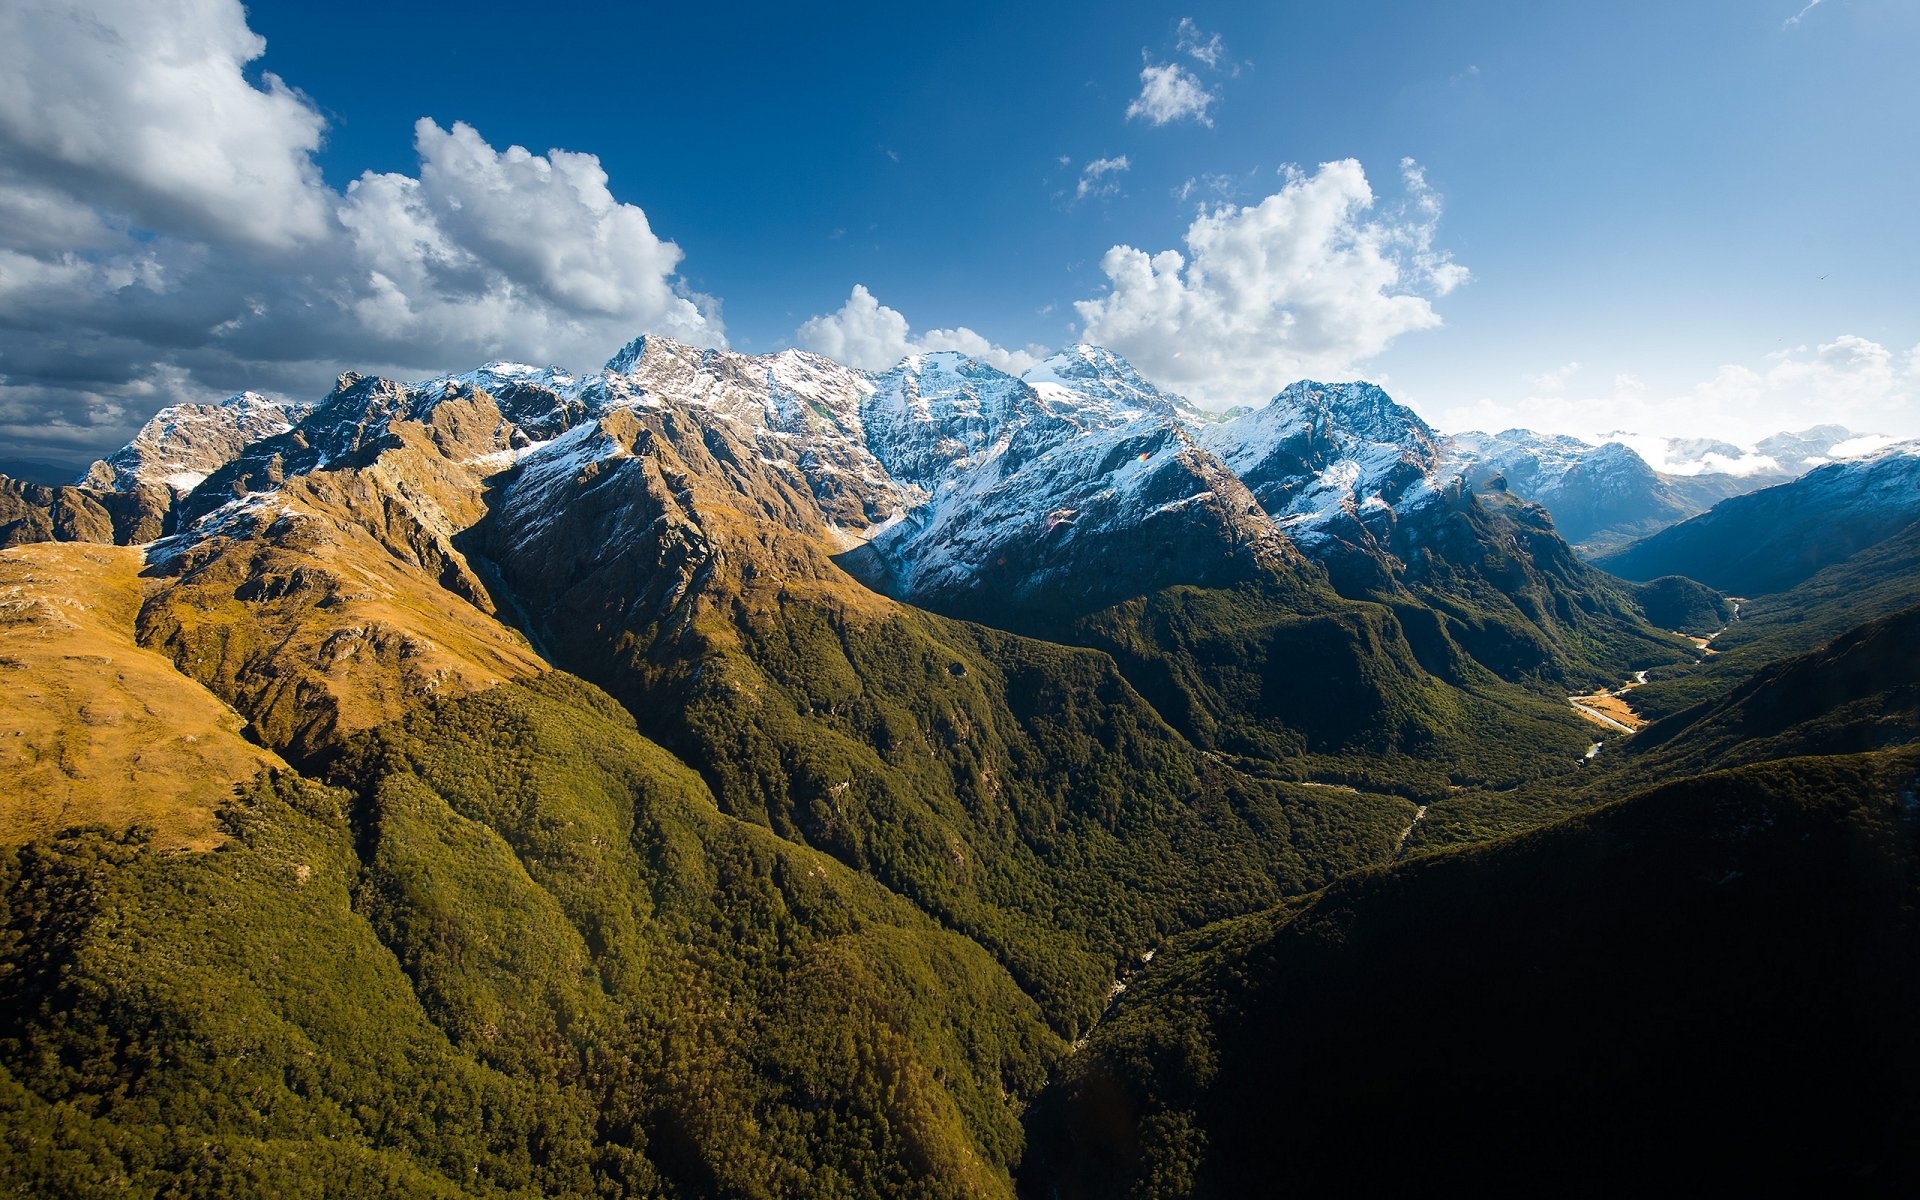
1322	455
628	357
495	376
184	443
1084	374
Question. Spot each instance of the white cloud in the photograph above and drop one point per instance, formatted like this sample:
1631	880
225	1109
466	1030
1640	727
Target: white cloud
165	235
863	333
1851	381
867	334
144	106
1303	282
1202	47
1169	93
493	245
1095	177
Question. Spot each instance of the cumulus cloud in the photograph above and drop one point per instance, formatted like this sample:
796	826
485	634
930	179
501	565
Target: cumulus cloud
1202	47
144	104
1170	93
165	235
1307	281
1096	178
490	246
1851	381
866	333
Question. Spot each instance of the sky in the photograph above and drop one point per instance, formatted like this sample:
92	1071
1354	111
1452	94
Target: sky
1685	218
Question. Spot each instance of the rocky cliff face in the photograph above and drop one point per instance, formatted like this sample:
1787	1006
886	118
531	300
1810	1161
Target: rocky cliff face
30	512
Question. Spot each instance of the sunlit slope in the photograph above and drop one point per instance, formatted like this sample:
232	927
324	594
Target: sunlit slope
338	601
97	729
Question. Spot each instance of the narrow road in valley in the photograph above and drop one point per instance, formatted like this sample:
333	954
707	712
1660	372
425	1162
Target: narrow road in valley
1595	714
1607	708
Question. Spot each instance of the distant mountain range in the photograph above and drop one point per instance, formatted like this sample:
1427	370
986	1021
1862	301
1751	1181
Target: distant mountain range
1772	539
1601	496
1604	496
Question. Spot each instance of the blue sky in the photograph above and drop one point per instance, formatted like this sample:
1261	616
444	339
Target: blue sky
1674	217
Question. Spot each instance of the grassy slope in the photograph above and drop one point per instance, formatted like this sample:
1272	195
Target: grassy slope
342	604
97	729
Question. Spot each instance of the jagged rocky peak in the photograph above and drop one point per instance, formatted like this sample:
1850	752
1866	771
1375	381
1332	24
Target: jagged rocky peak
628	357
1477	445
184	443
1084	375
1359	408
795	412
1056	517
1320	449
359	408
793	391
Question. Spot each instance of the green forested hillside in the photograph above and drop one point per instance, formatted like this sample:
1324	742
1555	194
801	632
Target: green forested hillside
1860	692
1877	581
520	953
1705	986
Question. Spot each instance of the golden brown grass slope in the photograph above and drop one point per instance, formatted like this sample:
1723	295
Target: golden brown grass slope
97	730
342	601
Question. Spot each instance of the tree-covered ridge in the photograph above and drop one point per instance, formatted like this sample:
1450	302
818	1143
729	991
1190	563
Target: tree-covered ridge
573	977
1705	985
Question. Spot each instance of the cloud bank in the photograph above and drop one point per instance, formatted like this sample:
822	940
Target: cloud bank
1851	380
165	234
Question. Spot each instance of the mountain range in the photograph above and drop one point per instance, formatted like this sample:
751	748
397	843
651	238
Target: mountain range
1605	496
750	775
